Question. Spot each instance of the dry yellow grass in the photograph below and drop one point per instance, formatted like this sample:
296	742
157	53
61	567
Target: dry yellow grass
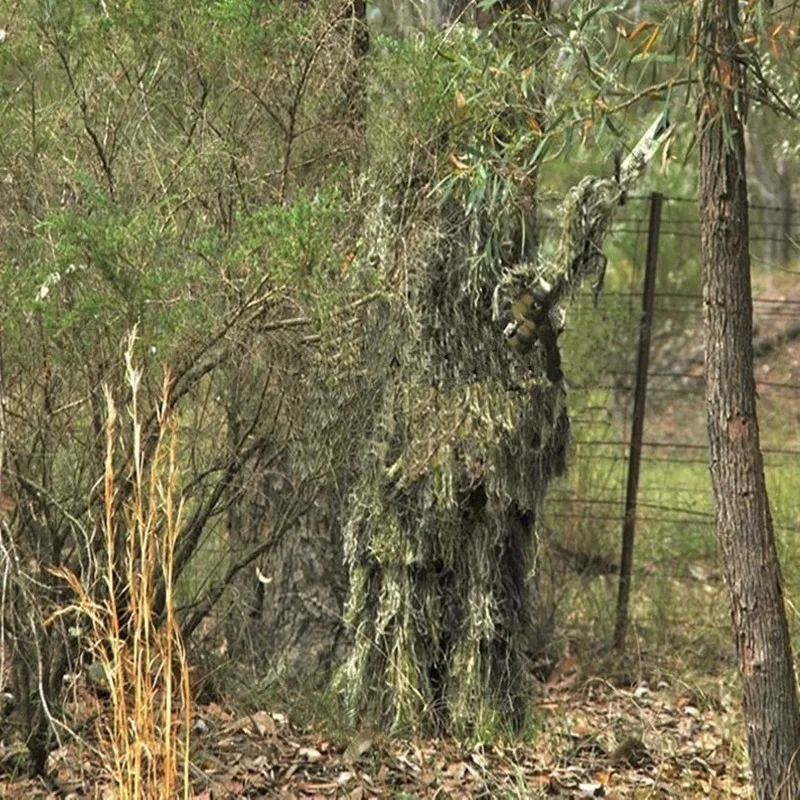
133	637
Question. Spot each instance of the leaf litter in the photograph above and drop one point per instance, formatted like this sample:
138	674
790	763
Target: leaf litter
592	739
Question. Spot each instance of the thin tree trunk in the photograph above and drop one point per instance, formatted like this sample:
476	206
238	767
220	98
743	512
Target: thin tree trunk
743	521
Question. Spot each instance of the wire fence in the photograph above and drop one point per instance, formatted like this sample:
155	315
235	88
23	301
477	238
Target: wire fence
673	496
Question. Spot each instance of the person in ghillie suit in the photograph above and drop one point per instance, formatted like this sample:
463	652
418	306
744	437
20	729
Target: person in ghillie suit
472	428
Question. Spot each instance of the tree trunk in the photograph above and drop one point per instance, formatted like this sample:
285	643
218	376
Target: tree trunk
302	602
743	520
283	618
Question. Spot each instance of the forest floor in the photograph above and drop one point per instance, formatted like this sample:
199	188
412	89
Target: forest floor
591	738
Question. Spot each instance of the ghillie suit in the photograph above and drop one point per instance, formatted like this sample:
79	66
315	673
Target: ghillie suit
441	538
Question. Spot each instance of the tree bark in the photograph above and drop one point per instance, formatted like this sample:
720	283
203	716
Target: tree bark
743	521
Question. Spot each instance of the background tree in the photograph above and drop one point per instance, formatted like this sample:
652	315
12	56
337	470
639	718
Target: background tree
743	519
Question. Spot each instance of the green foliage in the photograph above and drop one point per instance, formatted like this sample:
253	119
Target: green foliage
187	169
132	237
462	101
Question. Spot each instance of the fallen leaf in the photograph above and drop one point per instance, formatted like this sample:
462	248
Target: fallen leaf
456	770
310	754
480	760
581	729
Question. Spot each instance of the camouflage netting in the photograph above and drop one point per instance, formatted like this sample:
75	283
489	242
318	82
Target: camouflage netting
441	538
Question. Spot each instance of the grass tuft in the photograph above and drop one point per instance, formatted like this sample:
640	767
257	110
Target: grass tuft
133	635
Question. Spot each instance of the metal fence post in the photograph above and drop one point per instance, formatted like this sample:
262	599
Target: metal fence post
637	428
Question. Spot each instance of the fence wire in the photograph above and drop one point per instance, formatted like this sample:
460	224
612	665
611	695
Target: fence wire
674	494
